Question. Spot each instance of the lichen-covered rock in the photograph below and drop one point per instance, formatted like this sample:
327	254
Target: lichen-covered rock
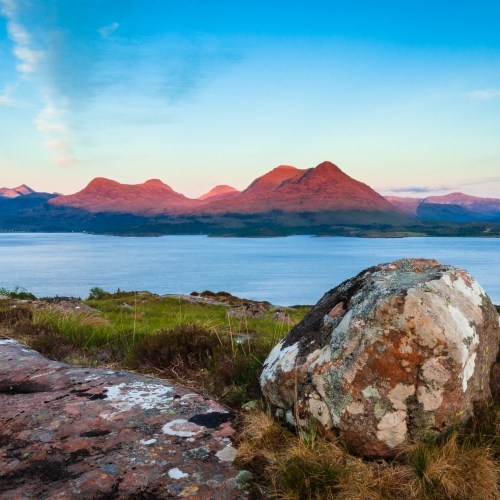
71	432
400	351
282	317
246	311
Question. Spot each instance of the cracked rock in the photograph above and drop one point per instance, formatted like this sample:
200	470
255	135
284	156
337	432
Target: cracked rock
71	432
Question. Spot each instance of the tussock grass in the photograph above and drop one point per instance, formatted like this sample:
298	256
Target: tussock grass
307	466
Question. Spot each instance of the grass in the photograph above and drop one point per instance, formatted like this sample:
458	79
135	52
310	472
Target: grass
307	466
196	345
193	344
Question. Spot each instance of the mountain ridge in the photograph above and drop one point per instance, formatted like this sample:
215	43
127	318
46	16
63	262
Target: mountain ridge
456	207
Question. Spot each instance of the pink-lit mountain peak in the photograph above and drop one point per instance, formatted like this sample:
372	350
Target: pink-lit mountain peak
271	180
220	192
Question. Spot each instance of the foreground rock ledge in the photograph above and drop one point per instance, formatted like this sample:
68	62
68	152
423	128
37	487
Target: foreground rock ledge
398	352
70	432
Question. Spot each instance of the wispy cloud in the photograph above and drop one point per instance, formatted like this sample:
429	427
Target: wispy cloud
107	30
421	189
63	151
484	94
28	56
7	99
49	120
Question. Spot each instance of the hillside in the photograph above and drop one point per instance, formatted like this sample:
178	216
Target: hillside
21	190
324	189
453	207
219	193
104	195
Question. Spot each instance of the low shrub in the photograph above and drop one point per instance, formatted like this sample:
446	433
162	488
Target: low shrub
97	293
211	360
17	293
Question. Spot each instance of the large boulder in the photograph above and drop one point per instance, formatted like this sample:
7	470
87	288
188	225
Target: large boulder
399	352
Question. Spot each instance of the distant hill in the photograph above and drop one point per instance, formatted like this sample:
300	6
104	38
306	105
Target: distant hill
21	190
324	189
14	206
454	207
151	198
219	193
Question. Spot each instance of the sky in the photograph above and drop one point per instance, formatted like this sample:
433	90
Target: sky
404	96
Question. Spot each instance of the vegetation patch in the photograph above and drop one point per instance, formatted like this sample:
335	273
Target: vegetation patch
292	466
196	344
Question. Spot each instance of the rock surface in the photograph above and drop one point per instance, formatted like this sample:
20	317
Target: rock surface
71	432
246	311
282	317
400	351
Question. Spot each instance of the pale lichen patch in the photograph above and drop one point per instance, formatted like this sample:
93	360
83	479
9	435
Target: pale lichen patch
370	392
392	428
399	394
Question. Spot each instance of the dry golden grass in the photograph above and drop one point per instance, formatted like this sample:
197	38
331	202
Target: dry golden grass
306	466
450	470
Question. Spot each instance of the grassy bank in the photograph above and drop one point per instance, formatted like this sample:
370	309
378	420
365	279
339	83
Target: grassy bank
194	344
198	345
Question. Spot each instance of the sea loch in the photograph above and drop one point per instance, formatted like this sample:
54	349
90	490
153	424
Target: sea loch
284	271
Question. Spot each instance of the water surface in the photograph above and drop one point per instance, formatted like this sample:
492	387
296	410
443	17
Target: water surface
285	271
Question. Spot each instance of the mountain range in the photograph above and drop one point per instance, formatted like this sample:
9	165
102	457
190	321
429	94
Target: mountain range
454	207
286	189
286	200
21	190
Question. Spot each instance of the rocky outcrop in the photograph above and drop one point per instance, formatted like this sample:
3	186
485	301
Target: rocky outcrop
71	432
399	352
282	317
246	311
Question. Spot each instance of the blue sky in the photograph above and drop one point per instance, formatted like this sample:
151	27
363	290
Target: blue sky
405	97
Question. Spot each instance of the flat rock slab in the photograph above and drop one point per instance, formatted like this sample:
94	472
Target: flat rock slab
71	432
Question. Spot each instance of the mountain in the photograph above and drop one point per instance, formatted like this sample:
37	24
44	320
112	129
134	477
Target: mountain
151	198
272	180
219	193
489	207
322	189
21	190
454	207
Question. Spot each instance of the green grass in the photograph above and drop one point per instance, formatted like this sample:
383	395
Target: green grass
193	343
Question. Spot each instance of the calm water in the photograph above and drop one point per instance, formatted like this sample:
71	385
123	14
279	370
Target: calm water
285	271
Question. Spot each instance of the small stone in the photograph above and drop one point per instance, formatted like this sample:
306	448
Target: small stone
227	454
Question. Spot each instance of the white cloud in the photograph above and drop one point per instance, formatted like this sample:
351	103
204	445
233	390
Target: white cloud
55	145
7	100
107	30
64	162
50	119
23	50
484	94
29	59
7	7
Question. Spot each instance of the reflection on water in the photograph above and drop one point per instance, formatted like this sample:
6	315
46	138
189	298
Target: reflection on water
286	271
